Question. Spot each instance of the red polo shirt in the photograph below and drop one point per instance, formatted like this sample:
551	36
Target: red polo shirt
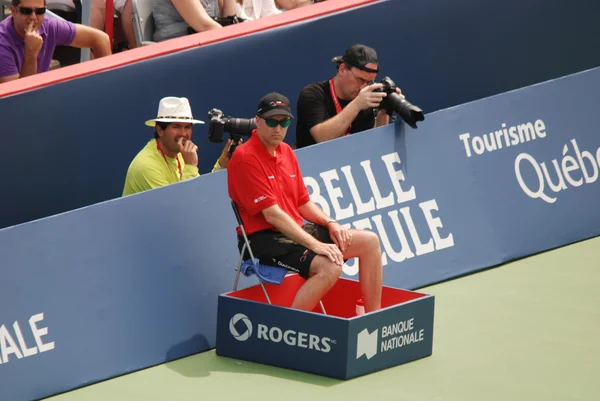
256	180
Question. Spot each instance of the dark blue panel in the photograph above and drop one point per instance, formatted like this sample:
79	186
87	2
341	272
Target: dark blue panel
77	138
134	282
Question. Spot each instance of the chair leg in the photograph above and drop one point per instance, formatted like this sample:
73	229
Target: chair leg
265	291
239	268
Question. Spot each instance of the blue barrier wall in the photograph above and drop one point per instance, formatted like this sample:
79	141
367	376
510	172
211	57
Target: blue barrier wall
69	145
133	282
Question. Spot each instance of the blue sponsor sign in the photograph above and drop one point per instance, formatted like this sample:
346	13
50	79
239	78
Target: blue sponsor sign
393	336
328	345
116	287
478	56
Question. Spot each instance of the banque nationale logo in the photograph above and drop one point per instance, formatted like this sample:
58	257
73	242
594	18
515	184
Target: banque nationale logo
367	344
246	330
393	336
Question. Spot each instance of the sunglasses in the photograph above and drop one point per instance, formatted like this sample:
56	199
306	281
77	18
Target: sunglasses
29	10
271	122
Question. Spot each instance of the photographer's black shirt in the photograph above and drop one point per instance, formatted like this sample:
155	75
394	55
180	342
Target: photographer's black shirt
315	105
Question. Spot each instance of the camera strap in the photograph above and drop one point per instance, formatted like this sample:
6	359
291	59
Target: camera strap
166	161
336	102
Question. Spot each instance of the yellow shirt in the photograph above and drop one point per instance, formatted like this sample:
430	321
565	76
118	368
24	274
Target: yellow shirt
148	170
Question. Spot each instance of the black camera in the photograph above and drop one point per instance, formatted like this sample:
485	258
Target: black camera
236	127
393	102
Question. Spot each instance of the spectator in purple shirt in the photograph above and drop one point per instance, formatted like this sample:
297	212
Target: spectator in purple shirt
28	40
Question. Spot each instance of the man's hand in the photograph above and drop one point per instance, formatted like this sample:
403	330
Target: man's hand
33	41
330	251
340	235
189	151
224	158
399	92
382	115
368	99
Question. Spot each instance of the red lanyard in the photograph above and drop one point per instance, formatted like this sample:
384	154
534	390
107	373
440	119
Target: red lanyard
338	107
165	157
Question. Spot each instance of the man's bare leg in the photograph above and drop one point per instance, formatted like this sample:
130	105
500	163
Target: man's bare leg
365	246
323	275
127	24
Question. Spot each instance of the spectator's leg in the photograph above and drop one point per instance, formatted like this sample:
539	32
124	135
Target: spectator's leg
127	24
98	16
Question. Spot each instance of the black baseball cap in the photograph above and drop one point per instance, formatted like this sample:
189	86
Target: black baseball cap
274	104
359	56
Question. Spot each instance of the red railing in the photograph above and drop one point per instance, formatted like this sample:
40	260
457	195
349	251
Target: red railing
171	46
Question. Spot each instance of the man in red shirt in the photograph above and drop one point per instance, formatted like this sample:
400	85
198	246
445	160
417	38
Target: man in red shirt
265	182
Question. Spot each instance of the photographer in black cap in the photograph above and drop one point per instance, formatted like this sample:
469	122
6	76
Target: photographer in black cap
345	104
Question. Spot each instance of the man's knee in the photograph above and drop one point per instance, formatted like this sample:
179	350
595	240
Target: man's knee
372	238
326	268
369	240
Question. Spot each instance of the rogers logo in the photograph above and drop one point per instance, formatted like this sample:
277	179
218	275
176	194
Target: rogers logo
295	338
244	333
241	329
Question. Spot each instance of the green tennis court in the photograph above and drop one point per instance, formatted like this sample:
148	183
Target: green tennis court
528	330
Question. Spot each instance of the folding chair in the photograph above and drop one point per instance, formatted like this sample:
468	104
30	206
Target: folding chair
143	23
264	273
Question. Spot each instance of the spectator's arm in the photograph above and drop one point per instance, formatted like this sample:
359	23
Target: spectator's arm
336	126
93	39
142	178
313	213
227	8
9	70
223	160
382	118
29	65
291	4
312	112
285	224
189	171
9	78
195	15
217	167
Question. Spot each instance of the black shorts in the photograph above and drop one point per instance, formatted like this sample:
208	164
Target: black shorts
274	248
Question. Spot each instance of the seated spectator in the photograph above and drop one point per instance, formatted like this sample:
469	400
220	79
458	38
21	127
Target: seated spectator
291	4
255	9
171	156
28	40
124	9
175	18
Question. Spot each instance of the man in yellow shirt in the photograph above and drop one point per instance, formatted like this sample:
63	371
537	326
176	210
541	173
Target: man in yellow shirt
171	156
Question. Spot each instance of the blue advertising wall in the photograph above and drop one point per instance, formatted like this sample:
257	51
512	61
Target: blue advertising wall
134	282
69	145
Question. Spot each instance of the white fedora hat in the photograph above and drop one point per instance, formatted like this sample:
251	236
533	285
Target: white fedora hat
174	109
